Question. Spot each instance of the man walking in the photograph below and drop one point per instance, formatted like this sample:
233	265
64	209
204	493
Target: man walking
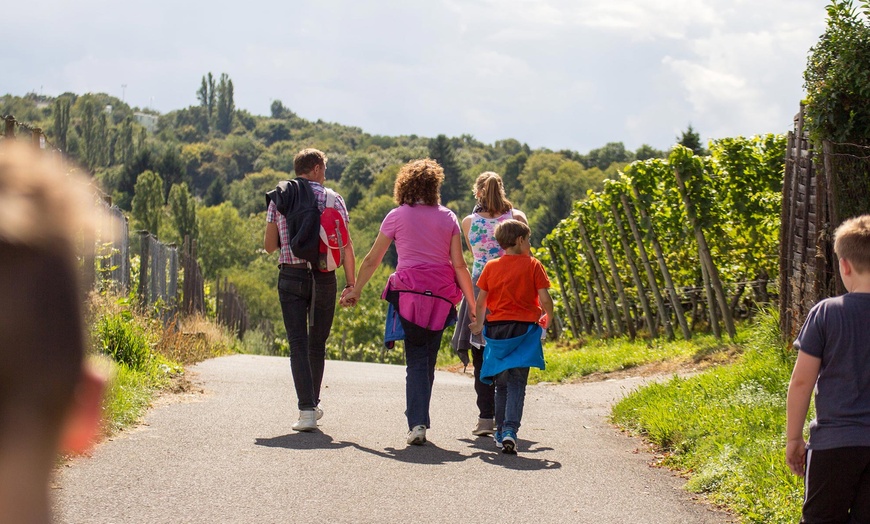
307	294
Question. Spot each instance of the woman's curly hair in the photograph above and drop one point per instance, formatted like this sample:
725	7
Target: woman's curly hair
419	182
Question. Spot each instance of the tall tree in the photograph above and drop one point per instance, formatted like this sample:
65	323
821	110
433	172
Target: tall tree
126	148
89	133
61	121
225	105
148	201
604	156
278	110
102	147
442	152
207	96
691	139
182	206
646	151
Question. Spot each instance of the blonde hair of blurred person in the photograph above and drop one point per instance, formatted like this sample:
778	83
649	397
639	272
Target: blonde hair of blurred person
50	401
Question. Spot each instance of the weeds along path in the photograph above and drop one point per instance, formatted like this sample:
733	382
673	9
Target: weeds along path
228	455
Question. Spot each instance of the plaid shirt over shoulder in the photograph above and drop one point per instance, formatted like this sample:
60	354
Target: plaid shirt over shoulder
274	217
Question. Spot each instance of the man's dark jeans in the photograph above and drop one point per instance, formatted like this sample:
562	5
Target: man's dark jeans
307	343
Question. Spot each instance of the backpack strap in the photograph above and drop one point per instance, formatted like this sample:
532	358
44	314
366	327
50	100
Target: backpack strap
330	197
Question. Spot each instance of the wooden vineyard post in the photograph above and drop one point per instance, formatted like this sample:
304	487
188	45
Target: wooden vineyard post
660	260
614	273
573	283
706	259
608	305
599	327
641	292
561	281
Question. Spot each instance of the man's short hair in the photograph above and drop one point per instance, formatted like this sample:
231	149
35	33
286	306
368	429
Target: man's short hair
307	159
507	232
43	214
852	242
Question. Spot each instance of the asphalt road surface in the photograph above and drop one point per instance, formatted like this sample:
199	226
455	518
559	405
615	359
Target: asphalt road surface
228	455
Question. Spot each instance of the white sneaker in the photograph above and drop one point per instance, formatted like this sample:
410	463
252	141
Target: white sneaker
417	436
319	412
307	421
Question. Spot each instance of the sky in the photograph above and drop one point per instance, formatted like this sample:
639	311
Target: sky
560	74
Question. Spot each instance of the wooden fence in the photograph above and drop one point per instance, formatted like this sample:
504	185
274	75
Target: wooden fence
106	265
812	208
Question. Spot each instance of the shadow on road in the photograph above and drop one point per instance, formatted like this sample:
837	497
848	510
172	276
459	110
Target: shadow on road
428	453
302	440
519	461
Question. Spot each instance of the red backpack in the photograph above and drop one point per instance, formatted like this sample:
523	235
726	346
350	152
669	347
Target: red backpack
333	236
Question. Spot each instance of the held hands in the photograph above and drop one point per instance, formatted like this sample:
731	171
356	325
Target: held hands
476	327
349	297
796	455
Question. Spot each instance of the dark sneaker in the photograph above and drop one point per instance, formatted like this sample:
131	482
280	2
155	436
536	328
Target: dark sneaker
509	442
497	438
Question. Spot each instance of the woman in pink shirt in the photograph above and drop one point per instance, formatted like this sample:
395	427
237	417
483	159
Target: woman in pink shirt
430	279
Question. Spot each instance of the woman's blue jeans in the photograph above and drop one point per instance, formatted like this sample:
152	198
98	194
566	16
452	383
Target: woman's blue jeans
421	352
510	395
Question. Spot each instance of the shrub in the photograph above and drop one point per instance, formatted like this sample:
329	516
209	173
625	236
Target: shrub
120	338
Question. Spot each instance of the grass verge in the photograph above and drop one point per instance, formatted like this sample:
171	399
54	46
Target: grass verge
140	356
725	428
569	362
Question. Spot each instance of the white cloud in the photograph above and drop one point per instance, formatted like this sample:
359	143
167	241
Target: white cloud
554	73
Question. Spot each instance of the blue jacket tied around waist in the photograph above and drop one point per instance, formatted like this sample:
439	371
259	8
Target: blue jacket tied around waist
524	351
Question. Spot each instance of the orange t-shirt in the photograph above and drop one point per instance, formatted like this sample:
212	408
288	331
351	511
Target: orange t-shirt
512	283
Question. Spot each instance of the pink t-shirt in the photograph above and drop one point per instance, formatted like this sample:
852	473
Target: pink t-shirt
422	234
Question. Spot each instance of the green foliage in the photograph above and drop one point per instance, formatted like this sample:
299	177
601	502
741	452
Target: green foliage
691	139
128	395
736	198
603	157
442	151
182	208
358	332
225	105
551	185
248	194
225	239
148	201
726	427
837	78
123	340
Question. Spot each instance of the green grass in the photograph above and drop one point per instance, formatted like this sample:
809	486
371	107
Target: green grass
128	395
725	428
608	355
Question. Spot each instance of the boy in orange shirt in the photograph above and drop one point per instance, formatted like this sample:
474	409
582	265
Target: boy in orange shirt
513	289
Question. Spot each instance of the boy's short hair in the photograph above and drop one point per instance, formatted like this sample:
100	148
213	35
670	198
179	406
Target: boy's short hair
308	159
44	213
852	242
507	232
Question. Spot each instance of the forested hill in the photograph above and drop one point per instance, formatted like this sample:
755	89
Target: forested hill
225	154
202	171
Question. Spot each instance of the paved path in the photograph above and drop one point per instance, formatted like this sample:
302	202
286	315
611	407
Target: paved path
229	455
